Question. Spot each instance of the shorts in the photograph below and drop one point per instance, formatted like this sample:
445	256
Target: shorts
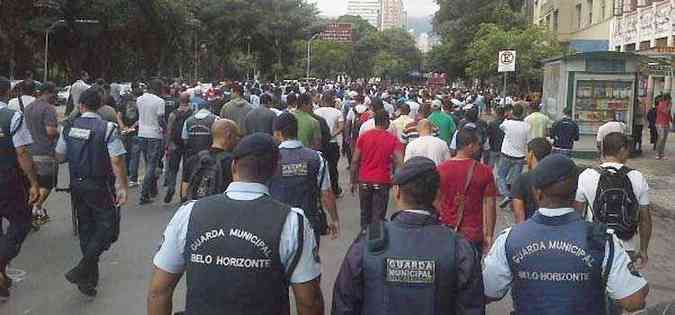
47	170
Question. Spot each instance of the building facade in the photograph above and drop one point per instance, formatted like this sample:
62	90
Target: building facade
369	10
393	14
583	25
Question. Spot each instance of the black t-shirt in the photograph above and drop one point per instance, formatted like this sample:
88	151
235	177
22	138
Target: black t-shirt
190	167
522	189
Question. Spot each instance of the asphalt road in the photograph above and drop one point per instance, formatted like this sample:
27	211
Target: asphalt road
40	287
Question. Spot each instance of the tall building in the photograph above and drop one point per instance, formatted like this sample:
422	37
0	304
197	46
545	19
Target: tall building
370	10
580	24
393	14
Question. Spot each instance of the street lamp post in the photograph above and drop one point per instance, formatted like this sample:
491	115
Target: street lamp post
49	29
309	54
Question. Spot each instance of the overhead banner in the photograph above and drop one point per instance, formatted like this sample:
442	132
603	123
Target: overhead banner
507	61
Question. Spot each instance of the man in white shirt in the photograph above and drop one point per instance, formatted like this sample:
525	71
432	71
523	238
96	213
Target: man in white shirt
26	89
76	90
150	123
335	121
427	145
513	153
414	109
615	153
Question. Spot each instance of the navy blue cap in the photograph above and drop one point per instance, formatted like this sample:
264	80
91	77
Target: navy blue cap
255	144
552	169
417	166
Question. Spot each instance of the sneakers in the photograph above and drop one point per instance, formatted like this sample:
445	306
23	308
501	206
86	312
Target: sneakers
169	196
505	202
85	276
133	184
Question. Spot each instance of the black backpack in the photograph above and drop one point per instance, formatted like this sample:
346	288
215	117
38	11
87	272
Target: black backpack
615	202
131	114
176	133
207	177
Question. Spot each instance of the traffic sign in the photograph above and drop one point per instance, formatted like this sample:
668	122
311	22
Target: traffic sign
507	61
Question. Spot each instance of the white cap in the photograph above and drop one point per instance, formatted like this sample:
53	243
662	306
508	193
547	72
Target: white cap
436	104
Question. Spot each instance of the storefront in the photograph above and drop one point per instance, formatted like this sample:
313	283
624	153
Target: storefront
596	86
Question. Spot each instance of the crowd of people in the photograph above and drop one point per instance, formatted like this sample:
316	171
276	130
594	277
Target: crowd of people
259	168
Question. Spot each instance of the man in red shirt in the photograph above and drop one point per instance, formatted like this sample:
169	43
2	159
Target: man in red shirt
464	179
376	152
663	119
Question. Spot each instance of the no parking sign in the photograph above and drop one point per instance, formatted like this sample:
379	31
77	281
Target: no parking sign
507	61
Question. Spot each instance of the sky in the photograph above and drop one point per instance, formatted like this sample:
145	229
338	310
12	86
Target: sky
416	8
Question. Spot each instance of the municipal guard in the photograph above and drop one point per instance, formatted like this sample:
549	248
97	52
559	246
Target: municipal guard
411	264
95	157
302	177
17	174
241	249
196	133
555	262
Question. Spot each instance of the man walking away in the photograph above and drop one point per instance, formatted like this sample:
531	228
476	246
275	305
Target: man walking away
209	172
128	115
76	90
495	136
531	259
373	277
16	172
335	121
196	132
177	149
524	201
513	153
376	153
565	132
42	122
619	197
611	126
309	130
539	122
236	109
402	121
663	120
427	145
302	179
262	274
442	121
149	140
468	192
653	133
261	118
25	97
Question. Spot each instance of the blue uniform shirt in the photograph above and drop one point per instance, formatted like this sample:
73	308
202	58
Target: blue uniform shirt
115	145
170	255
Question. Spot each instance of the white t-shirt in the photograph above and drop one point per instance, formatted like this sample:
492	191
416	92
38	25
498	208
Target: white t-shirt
428	147
150	109
515	138
360	109
414	108
612	126
76	90
14	105
588	185
333	117
390	109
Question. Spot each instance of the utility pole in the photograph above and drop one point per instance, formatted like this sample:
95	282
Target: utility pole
309	54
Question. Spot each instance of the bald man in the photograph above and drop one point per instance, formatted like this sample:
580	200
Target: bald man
427	145
177	149
226	135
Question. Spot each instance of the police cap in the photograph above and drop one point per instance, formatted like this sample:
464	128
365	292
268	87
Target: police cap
552	169
255	144
417	166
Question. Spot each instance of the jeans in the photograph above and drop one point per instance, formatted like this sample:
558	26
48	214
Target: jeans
15	209
151	150
96	218
493	158
133	157
508	169
661	142
332	158
373	199
174	159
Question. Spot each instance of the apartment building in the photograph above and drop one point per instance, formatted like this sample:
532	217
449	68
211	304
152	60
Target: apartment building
393	14
370	10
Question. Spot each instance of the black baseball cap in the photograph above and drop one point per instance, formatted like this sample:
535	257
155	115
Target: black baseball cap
255	144
417	166
283	121
552	169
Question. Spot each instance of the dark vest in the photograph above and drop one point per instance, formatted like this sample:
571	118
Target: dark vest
296	183
87	150
8	159
556	268
402	277
181	117
232	255
199	133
